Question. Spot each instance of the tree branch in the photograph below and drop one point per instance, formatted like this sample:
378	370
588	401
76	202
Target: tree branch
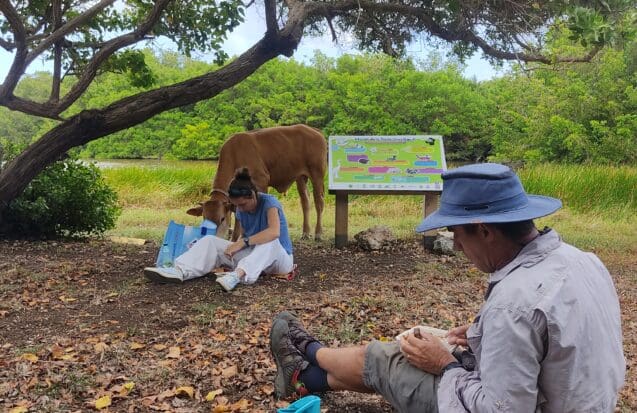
57	52
89	125
51	110
449	34
6	45
45	110
19	61
110	47
331	27
68	28
270	16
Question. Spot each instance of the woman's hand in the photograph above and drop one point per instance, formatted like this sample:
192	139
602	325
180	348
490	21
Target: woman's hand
234	248
427	353
458	336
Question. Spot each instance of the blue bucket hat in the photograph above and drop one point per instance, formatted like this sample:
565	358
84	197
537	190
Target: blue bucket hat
485	193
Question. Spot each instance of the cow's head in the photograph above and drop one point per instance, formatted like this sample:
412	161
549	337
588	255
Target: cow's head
217	209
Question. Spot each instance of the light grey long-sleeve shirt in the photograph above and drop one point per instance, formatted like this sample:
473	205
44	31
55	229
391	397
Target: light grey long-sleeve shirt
547	339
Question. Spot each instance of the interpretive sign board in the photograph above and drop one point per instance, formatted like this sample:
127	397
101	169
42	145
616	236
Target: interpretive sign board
392	163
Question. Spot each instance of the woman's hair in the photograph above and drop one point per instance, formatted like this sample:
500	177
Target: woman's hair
241	185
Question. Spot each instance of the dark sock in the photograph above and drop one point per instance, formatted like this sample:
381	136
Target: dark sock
315	379
310	351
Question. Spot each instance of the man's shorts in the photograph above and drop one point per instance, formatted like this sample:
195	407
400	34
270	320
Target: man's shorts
406	387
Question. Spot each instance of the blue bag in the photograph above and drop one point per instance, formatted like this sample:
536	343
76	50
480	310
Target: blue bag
179	238
307	404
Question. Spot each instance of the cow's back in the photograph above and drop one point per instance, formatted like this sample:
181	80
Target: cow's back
279	154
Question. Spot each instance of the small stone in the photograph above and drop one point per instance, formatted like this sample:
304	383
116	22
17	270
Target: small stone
375	238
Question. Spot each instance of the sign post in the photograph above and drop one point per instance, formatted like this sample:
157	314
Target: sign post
382	165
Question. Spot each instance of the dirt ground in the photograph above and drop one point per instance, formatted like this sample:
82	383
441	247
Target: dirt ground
82	327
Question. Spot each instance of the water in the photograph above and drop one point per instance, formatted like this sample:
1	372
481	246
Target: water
145	163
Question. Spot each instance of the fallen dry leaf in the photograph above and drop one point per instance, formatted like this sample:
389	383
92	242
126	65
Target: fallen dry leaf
30	357
173	352
67	299
100	347
125	389
212	394
267	389
217	332
242	404
230	371
103	402
165	394
185	390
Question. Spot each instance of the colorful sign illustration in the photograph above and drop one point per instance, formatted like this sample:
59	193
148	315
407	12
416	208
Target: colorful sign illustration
386	162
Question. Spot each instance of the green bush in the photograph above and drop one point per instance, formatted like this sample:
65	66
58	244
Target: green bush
67	199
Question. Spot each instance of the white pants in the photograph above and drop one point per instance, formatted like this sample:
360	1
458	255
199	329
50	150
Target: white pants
208	254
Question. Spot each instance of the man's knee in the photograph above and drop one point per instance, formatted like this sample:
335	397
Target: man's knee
388	373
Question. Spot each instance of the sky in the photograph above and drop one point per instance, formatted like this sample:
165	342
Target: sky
245	35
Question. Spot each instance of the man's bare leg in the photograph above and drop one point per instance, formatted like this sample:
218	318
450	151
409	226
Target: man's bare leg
344	367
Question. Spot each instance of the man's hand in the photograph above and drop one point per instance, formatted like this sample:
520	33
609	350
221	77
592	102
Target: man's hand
427	353
458	336
234	248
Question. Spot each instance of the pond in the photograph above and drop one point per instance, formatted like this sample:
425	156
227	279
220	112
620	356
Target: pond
147	163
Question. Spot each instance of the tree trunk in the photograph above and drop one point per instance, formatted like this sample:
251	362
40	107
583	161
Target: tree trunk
92	124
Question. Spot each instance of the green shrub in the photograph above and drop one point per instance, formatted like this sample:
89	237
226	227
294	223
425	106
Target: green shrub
69	198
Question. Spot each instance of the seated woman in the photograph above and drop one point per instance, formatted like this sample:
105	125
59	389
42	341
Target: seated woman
264	246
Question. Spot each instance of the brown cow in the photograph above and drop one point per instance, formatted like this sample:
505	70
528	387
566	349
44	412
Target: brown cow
276	157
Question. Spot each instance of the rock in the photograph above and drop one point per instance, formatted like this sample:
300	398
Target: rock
443	244
375	238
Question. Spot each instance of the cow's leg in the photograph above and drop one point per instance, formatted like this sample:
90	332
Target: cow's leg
236	230
224	231
318	191
301	185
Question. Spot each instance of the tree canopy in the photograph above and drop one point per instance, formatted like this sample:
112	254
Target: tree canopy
84	39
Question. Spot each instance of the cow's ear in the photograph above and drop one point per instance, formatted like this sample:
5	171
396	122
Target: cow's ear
196	211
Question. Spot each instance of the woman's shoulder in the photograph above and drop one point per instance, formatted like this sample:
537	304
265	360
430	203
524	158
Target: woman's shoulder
270	201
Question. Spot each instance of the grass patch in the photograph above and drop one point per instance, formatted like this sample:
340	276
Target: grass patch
167	186
346	333
610	191
207	313
127	286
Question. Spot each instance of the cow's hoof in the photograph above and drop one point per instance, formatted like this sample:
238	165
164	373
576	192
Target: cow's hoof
318	237
305	236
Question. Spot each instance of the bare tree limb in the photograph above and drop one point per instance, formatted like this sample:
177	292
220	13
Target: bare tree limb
270	16
521	43
45	110
19	61
6	45
57	53
331	27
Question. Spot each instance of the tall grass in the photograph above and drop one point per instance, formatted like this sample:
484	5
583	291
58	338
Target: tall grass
600	206
168	186
605	190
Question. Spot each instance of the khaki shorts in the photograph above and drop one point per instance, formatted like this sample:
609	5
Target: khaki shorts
407	388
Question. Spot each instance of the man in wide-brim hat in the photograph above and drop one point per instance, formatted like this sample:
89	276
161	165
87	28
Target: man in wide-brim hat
547	338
